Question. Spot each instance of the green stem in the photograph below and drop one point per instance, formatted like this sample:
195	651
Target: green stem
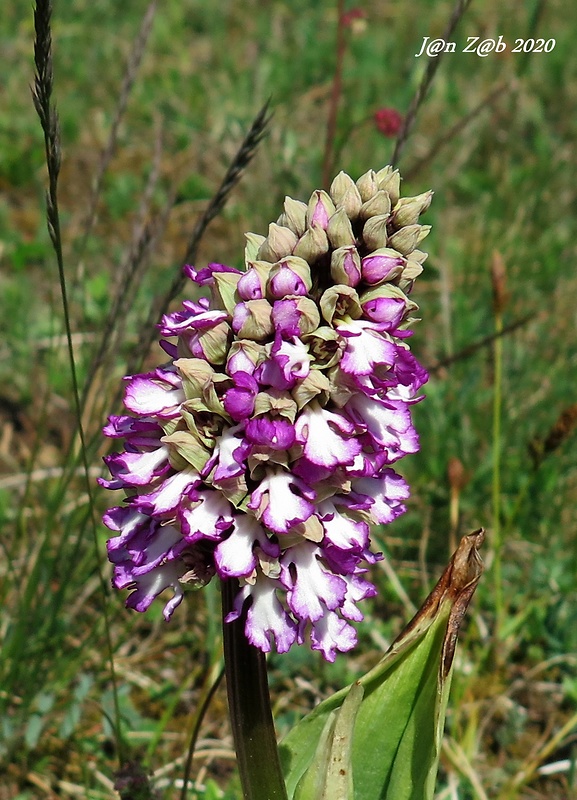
250	711
497	532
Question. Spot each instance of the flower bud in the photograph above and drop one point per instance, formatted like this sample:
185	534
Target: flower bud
252	320
251	248
346	265
196	375
388	304
244	356
312	245
252	284
295	316
293	216
407	278
389	181
224	289
345	195
375	232
408	238
383	264
408	209
212	343
291	276
368	185
340	230
379	204
320	209
278	244
340	301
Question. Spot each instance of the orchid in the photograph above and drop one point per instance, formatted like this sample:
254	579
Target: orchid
262	452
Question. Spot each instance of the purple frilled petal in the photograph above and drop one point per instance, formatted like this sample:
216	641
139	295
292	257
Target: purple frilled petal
289	362
330	634
135	469
281	501
235	556
157	394
266	618
311	589
168	495
385	494
326	436
366	348
205	276
387	425
194	318
204	514
341	531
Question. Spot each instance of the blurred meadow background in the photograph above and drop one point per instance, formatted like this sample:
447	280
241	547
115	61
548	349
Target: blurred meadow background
154	102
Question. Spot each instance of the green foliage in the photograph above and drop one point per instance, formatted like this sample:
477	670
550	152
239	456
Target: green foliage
505	182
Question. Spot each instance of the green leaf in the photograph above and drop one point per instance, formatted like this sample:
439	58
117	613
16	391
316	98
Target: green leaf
330	776
397	731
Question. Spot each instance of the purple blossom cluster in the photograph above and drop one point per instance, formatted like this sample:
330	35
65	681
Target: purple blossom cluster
262	450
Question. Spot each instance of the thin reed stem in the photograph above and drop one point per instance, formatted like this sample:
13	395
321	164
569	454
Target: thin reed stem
42	98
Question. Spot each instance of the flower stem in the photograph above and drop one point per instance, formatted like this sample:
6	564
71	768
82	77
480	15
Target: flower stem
250	711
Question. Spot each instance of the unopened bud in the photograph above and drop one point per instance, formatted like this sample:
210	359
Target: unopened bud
340	230
320	209
408	209
368	185
346	265
345	195
293	216
312	245
383	264
375	232
278	244
388	304
253	243
252	284
291	276
408	238
389	181
252	320
379	204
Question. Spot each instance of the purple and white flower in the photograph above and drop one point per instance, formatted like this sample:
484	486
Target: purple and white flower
262	452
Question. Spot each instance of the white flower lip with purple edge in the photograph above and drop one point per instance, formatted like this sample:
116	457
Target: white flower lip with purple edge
262	451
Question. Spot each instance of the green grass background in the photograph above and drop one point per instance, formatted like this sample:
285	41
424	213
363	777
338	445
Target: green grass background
506	183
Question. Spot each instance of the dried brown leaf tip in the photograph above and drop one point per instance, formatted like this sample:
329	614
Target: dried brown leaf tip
499	283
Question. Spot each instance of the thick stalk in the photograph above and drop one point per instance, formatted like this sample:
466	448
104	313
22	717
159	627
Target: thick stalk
250	711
